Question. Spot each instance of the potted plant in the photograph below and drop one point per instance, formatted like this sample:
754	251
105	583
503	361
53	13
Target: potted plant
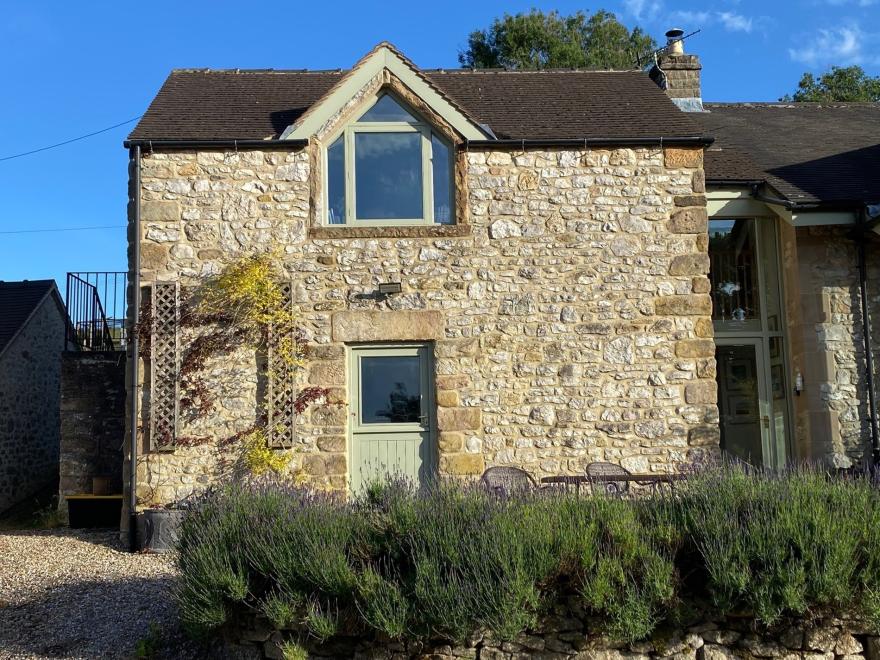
160	528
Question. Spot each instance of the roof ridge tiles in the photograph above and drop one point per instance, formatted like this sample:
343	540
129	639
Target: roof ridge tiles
792	104
256	71
444	70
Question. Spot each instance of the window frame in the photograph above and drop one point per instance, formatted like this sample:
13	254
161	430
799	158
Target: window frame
348	133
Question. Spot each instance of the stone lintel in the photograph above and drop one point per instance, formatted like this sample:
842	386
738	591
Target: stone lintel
387	325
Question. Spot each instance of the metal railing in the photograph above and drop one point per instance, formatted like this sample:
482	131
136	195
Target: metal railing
95	304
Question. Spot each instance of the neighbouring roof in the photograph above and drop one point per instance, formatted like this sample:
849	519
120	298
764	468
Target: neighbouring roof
18	301
809	152
257	105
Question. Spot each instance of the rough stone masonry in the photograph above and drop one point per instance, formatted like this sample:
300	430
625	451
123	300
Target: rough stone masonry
568	309
569	635
30	374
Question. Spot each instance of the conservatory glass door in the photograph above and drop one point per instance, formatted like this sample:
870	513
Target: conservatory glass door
749	325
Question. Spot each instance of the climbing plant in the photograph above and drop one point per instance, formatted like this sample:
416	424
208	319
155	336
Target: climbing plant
244	306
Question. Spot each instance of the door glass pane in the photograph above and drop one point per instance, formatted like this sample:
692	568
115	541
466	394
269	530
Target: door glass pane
391	389
336	182
734	274
388	171
739	403
387	109
442	166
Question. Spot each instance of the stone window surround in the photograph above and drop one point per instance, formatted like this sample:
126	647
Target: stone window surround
386	82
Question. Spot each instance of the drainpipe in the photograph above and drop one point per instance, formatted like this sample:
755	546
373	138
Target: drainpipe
133	386
859	237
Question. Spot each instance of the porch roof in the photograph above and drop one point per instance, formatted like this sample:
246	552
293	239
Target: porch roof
809	152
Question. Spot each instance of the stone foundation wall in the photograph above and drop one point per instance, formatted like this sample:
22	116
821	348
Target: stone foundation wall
92	421
833	412
566	636
568	311
30	374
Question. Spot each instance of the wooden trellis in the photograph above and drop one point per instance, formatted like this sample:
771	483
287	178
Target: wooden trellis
164	365
281	388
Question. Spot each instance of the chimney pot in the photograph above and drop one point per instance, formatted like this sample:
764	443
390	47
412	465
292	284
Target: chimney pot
674	42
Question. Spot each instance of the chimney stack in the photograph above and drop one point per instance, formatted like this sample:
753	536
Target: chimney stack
678	74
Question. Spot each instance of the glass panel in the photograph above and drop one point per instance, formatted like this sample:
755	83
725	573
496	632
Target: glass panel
734	274
336	182
739	403
769	266
387	109
442	166
388	173
778	397
391	389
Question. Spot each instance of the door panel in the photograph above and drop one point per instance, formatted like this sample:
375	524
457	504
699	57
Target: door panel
741	397
392	429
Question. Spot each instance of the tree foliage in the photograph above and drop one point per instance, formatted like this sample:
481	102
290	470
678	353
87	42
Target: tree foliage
849	83
540	41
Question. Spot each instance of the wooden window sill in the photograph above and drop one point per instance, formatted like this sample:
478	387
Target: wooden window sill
411	231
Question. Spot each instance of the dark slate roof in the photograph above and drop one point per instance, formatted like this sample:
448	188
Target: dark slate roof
256	105
18	300
809	152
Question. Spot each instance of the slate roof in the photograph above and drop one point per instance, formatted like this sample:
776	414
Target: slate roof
18	300
809	152
828	153
257	105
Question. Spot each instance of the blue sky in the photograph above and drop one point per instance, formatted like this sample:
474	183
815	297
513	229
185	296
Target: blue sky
70	68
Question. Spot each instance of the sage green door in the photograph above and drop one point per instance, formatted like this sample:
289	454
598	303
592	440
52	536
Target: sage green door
392	414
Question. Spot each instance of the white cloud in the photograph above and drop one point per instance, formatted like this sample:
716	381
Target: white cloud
841	45
735	22
689	18
858	3
643	9
730	21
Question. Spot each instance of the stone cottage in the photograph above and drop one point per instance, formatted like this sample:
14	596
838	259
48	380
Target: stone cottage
32	330
541	269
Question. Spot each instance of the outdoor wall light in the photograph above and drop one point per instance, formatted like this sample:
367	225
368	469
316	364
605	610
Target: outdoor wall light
387	288
798	383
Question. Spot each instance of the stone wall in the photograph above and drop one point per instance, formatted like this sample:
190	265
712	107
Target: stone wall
92	421
30	373
832	424
566	635
572	304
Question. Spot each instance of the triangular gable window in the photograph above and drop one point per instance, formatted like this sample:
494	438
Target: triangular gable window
386	109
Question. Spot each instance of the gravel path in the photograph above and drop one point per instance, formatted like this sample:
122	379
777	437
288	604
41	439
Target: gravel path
78	594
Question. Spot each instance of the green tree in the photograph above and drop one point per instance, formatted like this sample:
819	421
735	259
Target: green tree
540	41
849	83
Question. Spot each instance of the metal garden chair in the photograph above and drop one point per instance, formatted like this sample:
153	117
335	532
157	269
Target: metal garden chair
606	470
506	480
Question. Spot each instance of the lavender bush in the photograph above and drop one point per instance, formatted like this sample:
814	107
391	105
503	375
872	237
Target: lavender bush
452	560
